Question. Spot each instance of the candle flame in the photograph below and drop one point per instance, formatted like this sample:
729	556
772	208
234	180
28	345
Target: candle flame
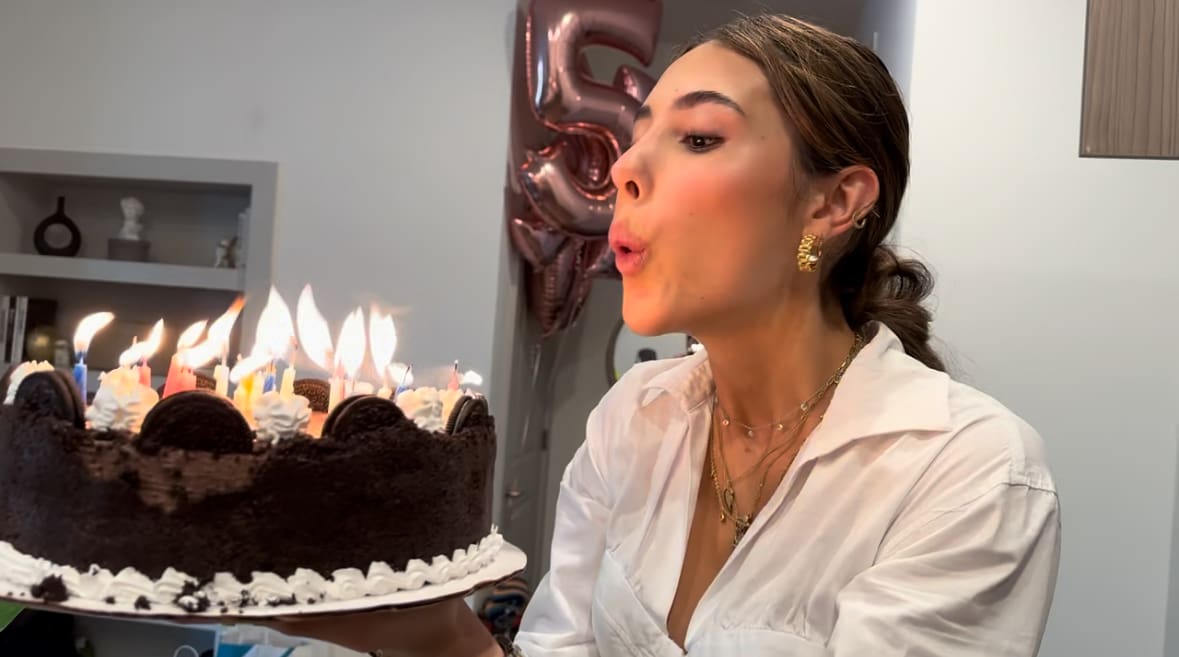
142	351
350	347
276	331
314	336
202	354
471	378
89	325
220	330
190	335
247	366
382	338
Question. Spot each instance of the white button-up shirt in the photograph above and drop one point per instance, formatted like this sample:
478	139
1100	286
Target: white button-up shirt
919	519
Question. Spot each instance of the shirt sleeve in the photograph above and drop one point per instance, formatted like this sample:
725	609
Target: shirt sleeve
972	580
557	620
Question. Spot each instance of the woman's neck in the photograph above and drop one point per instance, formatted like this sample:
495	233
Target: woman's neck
764	368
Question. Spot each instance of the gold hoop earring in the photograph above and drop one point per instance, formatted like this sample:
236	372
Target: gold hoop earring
810	250
862	220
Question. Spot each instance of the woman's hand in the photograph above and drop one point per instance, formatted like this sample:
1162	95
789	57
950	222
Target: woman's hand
446	628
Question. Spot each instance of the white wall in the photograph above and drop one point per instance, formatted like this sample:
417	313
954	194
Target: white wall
388	119
1058	286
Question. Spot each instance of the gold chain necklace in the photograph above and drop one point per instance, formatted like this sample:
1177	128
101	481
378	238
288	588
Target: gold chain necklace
803	410
726	496
805	406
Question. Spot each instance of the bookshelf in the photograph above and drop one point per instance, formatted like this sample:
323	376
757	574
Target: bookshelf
190	205
113	271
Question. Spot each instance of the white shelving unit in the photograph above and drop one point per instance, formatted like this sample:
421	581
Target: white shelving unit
113	271
191	204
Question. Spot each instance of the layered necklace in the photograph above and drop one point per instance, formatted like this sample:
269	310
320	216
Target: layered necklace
792	424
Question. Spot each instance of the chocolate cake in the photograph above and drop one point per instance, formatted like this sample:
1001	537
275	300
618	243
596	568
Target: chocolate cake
193	512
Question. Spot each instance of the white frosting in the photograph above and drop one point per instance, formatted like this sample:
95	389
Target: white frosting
430	408
19	572
130	584
347	584
279	418
423	406
226	589
92	584
20	372
270	589
170	584
121	402
308	585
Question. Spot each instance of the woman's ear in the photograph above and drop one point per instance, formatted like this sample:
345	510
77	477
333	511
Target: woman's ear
848	197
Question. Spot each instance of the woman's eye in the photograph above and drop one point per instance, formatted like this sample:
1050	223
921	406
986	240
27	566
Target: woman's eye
700	143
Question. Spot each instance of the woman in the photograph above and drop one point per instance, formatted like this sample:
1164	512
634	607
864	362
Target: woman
811	483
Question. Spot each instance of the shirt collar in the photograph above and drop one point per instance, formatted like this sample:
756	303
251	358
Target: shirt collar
883	391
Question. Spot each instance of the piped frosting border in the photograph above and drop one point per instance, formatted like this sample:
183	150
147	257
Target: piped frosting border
21	574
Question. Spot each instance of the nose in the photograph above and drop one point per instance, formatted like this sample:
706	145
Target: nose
630	175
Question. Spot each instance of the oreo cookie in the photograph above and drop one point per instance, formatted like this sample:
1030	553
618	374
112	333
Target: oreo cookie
361	413
317	391
52	393
466	411
205	382
196	420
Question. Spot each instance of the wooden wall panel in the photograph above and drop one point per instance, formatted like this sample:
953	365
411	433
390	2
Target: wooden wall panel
1130	105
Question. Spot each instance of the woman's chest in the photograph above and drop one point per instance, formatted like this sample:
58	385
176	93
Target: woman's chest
819	528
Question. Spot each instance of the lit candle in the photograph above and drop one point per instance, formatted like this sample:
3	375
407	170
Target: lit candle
350	350
245	375
87	328
454	378
382	339
335	389
268	378
276	333
140	352
221	380
180	375
219	334
287	390
404	376
255	373
315	340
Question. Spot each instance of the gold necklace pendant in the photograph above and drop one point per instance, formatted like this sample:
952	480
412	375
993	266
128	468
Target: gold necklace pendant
728	501
742	525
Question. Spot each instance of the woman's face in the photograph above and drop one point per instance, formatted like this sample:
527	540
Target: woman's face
704	230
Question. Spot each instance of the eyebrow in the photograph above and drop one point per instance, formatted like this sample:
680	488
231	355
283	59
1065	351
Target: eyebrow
692	99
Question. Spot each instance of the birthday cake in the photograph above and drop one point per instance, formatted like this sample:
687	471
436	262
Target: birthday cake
185	504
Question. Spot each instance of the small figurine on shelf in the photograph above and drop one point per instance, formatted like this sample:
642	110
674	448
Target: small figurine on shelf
130	245
226	257
132	219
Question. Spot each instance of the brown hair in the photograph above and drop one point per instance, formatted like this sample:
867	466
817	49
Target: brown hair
844	109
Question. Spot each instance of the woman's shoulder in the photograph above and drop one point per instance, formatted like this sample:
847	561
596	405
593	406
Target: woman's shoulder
989	439
685	377
643	403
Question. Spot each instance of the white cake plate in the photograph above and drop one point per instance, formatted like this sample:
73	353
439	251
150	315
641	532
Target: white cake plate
509	561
